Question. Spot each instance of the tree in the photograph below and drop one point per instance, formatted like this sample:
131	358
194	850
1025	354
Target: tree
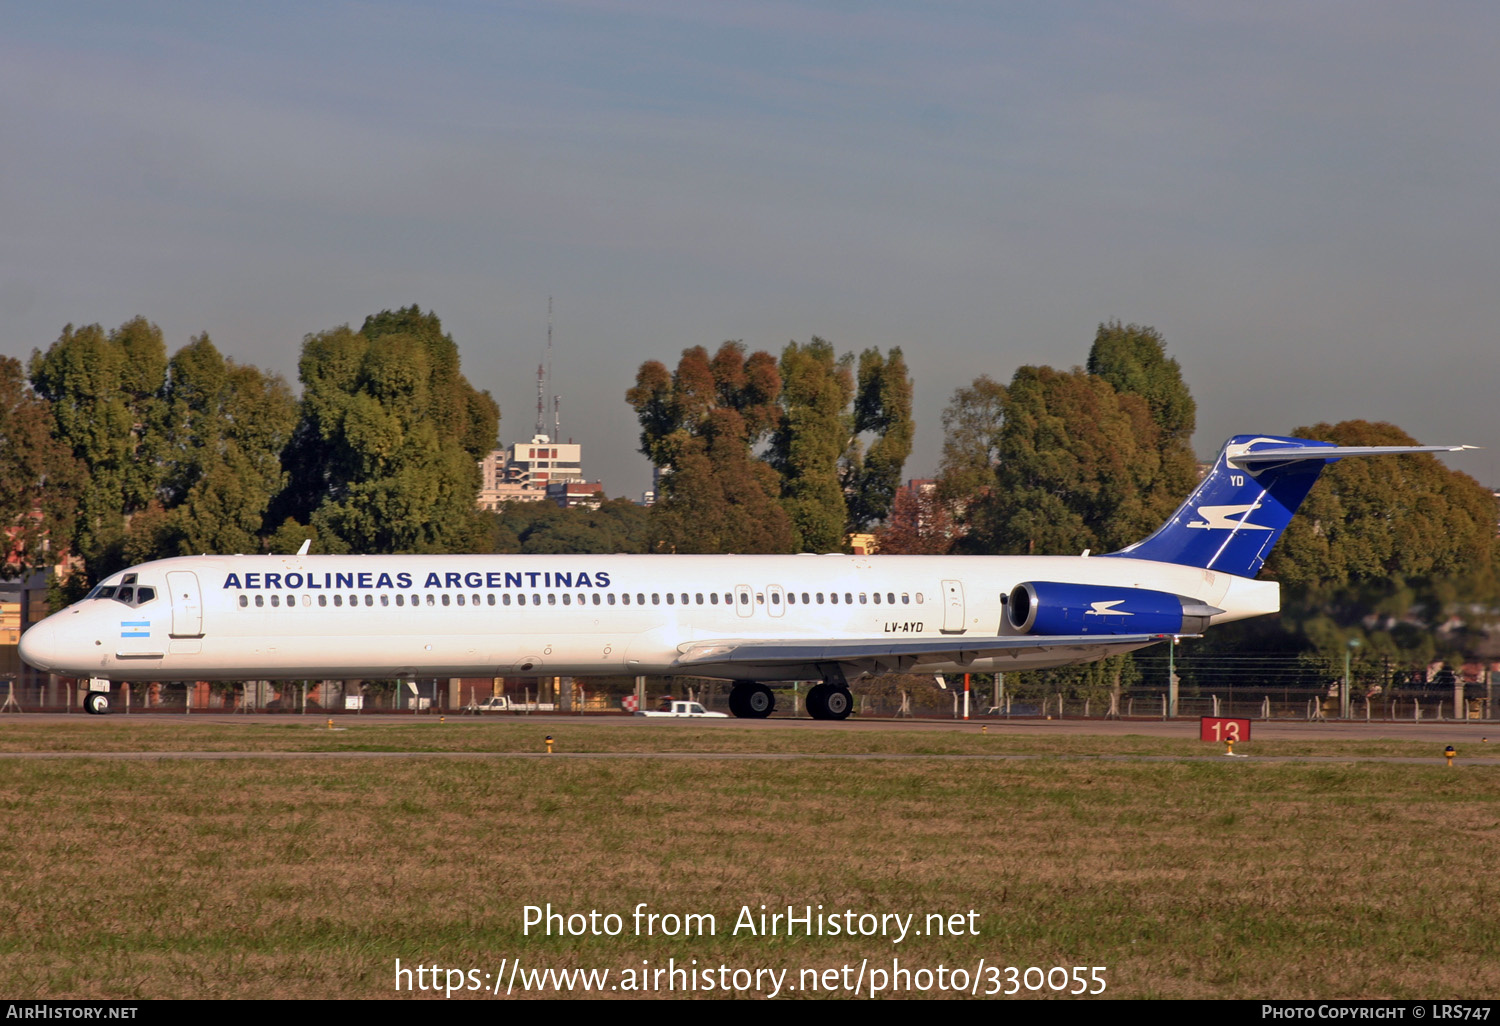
617	525
919	525
882	408
1077	467
105	396
226	425
1133	358
39	477
699	425
385	457
971	441
814	432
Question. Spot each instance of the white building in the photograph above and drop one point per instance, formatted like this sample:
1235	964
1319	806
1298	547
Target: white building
523	472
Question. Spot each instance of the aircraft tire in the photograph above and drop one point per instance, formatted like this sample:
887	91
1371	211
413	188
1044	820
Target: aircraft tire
737	704
759	702
97	703
817	701
838	703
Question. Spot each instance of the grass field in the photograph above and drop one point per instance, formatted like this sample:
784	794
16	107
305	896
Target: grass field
304	878
82	734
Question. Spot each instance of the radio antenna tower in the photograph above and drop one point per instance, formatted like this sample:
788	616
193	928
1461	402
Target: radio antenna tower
544	377
541	400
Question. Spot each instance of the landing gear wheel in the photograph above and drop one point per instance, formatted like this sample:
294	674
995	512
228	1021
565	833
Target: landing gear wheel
737	696
97	703
817	701
759	702
838	703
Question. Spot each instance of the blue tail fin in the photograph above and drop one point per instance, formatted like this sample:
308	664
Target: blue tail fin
1234	517
1237	512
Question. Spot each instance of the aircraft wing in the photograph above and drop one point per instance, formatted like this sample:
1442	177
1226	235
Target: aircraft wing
732	658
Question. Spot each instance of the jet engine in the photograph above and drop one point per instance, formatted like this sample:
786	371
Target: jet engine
1047	607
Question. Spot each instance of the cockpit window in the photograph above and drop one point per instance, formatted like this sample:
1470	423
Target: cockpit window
128	594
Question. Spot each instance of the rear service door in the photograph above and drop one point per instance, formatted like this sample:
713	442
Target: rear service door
953	607
187	604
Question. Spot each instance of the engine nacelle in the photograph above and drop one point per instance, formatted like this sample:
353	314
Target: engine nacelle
1046	607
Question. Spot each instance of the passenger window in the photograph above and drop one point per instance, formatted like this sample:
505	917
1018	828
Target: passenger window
520	600
905	599
338	600
385	600
877	598
684	598
567	599
551	599
625	598
890	598
291	600
491	598
322	600
775	599
275	600
611	598
640	598
400	600
669	598
713	597
597	599
820	598
505	599
699	598
446	598
804	598
475	599
260	600
919	598
460	599
369	600
655	599
849	598
431	599
244	601
744	597
833	597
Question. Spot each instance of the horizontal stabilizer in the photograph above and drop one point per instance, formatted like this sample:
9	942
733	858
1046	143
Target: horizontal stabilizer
1312	452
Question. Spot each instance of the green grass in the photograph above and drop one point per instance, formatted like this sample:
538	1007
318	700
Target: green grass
354	734
304	878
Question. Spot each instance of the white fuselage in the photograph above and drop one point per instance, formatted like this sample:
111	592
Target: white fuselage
352	617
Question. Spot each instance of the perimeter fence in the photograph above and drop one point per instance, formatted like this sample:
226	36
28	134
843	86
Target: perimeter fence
1270	687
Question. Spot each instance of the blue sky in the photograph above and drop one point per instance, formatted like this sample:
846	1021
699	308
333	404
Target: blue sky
1301	197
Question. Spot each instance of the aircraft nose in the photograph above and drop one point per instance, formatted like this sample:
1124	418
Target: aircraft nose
43	645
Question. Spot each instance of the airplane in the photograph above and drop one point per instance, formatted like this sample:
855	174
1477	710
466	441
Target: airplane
746	619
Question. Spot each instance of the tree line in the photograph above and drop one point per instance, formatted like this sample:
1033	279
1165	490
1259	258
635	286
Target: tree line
116	452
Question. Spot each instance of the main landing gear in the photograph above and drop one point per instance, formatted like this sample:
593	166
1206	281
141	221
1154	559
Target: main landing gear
754	701
751	701
830	702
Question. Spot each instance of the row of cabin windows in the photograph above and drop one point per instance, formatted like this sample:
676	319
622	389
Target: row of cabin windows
808	598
